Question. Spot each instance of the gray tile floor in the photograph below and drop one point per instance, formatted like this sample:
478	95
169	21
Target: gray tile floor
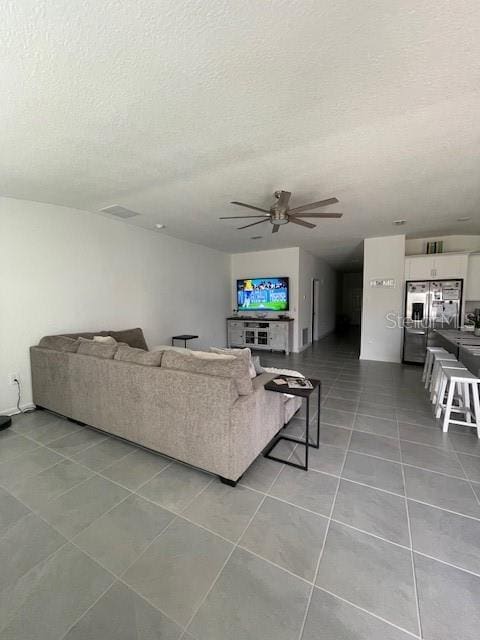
380	540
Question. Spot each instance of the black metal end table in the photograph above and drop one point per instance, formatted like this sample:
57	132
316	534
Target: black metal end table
301	393
184	337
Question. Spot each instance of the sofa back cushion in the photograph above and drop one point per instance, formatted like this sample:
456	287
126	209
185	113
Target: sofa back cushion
59	343
139	356
239	353
96	349
213	365
132	337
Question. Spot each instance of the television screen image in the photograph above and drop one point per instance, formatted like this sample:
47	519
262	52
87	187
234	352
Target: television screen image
262	294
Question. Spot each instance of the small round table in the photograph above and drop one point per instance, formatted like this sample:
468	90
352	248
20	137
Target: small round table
184	337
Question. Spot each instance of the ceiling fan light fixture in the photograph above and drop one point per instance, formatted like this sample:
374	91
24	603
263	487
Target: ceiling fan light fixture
159	226
399	223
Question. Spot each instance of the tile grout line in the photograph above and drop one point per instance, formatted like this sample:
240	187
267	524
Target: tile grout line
119	577
317	568
477	497
235	546
370	613
412	559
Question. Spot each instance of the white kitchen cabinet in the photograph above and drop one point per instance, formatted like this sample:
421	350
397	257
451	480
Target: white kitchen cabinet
441	266
419	267
473	280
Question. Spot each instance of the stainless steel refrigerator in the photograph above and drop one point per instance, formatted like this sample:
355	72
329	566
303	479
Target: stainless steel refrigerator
429	305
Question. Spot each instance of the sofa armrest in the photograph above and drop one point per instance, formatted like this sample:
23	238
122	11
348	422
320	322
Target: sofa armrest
254	421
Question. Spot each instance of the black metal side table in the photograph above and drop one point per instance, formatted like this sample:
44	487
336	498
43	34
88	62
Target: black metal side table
184	337
301	393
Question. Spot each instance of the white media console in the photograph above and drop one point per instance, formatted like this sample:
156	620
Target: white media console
273	334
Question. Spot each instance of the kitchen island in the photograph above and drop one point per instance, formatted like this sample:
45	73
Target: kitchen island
463	344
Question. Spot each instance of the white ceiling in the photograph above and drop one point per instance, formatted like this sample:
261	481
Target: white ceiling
174	108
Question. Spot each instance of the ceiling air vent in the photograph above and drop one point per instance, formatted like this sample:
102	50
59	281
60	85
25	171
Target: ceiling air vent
119	211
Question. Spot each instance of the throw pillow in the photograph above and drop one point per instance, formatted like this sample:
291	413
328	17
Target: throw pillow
97	349
239	353
139	356
105	339
258	367
59	343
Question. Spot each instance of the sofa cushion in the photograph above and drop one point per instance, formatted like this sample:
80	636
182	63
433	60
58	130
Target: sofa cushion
239	353
96	349
139	356
167	347
59	343
225	367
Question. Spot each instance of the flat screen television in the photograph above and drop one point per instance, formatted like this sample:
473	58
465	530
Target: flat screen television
262	294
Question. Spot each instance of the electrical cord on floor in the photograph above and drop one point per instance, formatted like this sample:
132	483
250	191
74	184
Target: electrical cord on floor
17	382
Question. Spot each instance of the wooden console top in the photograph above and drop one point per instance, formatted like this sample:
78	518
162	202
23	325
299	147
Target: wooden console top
253	319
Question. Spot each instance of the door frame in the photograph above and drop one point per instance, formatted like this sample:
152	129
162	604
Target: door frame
315	297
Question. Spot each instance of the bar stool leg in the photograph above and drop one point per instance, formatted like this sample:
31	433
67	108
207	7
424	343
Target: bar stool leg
448	406
432	377
476	406
441	396
436	382
426	368
466	402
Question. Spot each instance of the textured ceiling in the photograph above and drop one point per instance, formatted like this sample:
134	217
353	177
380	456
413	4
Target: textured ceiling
174	108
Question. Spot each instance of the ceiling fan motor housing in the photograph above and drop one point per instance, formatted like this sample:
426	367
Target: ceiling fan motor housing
278	217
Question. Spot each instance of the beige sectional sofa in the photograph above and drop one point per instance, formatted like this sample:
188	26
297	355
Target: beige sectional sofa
208	414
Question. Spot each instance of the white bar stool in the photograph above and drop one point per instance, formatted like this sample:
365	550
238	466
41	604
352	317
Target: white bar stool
429	360
443	367
467	386
437	359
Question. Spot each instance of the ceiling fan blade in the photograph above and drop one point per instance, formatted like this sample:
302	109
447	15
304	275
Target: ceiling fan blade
302	223
254	223
314	205
283	199
275	228
249	206
311	214
240	217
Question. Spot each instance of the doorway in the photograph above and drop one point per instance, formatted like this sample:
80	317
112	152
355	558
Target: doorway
349	302
315	302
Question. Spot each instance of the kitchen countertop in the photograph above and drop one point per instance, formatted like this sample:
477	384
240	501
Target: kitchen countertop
457	337
464	345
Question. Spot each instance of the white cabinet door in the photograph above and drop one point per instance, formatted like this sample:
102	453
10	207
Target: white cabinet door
419	268
473	280
278	335
235	334
447	267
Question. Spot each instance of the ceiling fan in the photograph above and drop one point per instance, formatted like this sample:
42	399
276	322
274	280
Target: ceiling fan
280	213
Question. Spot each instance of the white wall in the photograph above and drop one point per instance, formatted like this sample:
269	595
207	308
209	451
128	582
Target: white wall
65	270
383	258
313	268
416	246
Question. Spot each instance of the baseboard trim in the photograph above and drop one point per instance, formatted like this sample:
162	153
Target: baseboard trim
12	411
